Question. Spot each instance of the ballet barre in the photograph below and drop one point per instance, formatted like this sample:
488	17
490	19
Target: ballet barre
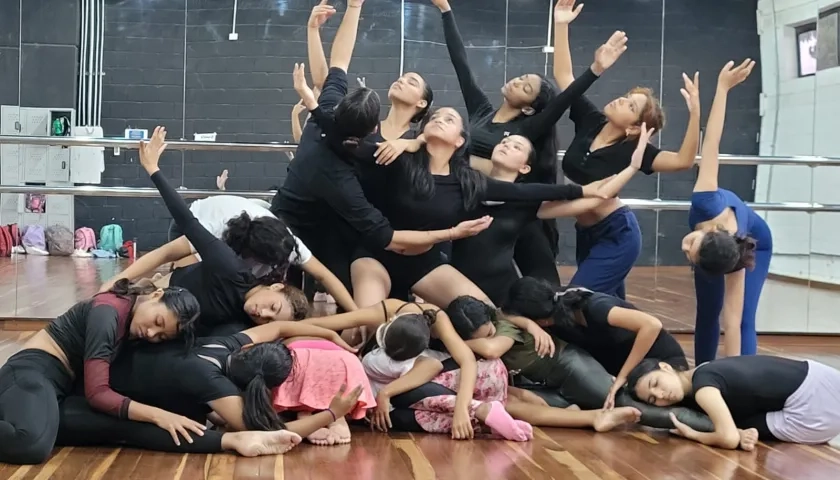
124	143
634	203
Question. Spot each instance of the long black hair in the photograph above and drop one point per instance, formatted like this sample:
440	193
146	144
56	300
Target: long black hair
468	314
422	115
421	182
177	300
536	298
266	240
257	370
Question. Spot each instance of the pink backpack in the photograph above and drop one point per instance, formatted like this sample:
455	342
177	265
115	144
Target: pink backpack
35	202
84	239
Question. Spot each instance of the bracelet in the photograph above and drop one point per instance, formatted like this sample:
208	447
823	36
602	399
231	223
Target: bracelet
331	413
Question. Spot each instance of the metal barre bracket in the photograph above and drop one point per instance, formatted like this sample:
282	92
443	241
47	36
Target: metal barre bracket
118	143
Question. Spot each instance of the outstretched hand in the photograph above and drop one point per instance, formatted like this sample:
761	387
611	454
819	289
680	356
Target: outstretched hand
565	11
307	96
691	93
320	14
639	152
608	53
732	75
151	150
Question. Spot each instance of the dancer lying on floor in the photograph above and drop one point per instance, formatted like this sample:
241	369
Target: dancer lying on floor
488	259
569	370
82	343
230	380
612	330
748	398
609	239
231	297
254	233
731	245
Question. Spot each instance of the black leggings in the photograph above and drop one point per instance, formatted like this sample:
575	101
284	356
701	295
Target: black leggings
402	416
32	384
81	426
581	380
534	255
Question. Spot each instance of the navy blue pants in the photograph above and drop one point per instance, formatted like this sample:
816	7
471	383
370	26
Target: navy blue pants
606	252
710	292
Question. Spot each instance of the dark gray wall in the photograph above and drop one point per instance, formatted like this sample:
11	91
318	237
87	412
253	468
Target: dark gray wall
243	89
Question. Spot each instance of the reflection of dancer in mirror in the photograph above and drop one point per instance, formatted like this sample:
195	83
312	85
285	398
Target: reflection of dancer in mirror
609	239
730	246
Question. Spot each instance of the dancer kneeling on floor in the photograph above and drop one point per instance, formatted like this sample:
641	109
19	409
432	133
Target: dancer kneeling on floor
565	368
230	380
231	296
749	397
83	342
254	233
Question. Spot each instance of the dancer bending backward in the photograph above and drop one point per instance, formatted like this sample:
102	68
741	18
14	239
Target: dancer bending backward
730	246
222	377
569	370
83	342
254	233
748	398
487	259
322	199
530	108
463	372
231	297
608	238
230	380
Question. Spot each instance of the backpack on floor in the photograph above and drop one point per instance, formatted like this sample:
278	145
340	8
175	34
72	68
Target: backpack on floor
111	238
6	242
84	239
59	240
33	237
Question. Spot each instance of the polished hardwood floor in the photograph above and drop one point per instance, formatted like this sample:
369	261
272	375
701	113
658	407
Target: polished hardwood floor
48	286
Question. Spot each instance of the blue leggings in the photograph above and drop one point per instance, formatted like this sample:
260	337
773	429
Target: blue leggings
710	292
607	251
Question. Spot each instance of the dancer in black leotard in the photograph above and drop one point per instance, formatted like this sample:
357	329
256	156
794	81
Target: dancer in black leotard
529	109
488	258
569	370
84	342
322	199
230	295
609	239
227	379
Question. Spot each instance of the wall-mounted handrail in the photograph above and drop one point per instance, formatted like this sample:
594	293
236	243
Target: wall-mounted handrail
809	161
634	203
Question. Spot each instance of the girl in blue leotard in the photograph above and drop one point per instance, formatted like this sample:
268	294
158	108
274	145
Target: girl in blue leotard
730	246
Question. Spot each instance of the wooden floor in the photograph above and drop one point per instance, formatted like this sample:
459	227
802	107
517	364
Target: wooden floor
48	286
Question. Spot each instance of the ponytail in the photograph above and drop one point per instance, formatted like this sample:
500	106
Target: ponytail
125	288
746	252
258	413
256	370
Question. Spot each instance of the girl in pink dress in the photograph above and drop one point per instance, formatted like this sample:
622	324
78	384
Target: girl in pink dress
320	368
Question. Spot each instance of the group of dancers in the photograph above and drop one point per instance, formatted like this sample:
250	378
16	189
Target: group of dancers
427	203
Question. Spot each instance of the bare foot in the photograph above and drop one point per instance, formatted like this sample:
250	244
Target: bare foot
749	438
322	437
340	431
606	420
255	444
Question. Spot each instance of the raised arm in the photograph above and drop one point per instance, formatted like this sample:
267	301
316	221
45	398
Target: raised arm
477	103
730	76
314	47
214	252
148	263
345	37
666	161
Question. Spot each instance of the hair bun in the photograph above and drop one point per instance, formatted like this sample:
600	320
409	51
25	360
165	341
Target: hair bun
430	316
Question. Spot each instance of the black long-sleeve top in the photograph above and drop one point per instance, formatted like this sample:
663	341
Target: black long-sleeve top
221	280
486	134
322	188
